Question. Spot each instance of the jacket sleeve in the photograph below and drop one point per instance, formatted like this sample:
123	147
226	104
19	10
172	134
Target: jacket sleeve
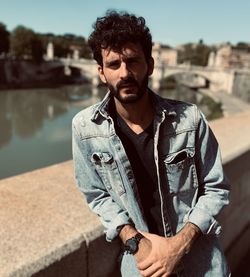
112	216
213	191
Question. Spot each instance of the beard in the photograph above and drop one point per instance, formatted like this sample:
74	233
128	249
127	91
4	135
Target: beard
133	94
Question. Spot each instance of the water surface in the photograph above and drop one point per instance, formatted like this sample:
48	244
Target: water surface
35	124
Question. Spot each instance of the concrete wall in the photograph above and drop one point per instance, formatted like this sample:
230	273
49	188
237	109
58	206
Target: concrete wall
236	218
46	228
241	87
233	133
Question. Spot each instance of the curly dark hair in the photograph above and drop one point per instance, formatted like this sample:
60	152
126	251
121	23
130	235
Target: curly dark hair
117	28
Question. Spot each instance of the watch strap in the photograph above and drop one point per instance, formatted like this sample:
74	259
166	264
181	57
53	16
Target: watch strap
135	239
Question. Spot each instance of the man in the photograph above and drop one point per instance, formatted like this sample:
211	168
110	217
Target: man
149	167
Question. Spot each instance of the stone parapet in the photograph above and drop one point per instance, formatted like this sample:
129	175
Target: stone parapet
233	134
47	229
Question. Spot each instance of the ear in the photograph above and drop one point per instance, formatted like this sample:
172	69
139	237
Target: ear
101	74
151	64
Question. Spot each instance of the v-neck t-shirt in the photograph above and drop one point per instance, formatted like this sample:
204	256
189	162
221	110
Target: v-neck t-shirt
140	151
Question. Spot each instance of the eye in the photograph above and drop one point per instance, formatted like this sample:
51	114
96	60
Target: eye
113	64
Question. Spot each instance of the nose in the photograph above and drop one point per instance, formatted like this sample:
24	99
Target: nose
124	71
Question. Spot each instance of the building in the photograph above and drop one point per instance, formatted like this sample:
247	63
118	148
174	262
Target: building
228	56
164	54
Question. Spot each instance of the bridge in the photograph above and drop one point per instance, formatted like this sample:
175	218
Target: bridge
215	79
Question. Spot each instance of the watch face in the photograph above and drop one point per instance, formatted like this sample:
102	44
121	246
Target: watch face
132	245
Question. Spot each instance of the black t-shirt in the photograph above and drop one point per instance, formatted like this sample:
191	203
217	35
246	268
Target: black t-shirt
140	151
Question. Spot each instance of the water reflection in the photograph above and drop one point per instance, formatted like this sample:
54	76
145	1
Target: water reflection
5	120
22	112
25	111
35	124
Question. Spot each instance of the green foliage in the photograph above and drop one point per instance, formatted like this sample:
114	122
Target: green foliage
215	108
25	43
196	54
37	49
65	44
21	39
4	39
243	46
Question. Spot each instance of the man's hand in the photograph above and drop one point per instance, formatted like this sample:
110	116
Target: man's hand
159	256
162	258
145	247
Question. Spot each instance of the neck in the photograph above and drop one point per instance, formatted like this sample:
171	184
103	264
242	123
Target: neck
139	113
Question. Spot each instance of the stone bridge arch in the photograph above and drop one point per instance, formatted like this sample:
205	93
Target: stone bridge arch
206	77
88	68
219	80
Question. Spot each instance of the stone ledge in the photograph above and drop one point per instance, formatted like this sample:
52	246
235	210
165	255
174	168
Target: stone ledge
232	133
44	218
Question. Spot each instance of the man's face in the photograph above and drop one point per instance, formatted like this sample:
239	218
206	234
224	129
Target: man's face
126	72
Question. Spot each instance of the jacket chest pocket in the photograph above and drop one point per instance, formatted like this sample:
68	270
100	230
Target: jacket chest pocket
107	169
181	173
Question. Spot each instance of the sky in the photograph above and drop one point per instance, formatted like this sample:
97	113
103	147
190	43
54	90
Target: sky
171	22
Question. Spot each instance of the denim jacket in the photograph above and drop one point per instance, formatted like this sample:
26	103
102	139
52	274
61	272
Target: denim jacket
186	154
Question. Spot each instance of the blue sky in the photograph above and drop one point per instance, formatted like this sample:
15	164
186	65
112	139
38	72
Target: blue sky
171	21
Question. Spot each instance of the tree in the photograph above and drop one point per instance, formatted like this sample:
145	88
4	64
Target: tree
37	49
63	44
202	54
196	54
243	46
25	43
4	39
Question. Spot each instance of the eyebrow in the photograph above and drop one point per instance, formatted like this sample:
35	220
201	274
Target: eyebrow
133	58
112	62
129	58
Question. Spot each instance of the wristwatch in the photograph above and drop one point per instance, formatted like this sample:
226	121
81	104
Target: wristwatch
131	245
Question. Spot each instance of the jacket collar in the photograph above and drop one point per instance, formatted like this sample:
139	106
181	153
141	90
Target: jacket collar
162	106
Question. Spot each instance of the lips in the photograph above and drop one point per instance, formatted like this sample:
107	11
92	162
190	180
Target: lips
128	85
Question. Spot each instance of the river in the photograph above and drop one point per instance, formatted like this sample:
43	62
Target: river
35	124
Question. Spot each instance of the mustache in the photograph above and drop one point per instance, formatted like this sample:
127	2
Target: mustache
127	82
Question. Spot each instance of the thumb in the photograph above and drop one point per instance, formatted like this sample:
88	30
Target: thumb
145	234
142	232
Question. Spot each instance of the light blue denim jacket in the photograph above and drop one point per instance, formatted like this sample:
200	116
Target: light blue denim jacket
197	189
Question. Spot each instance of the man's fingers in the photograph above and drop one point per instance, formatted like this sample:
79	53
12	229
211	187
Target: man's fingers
153	270
144	264
146	234
160	273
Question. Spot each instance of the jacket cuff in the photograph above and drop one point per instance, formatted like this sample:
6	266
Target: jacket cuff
206	223
117	224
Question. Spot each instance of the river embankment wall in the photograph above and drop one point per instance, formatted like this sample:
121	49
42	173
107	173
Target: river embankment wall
28	74
241	86
48	230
